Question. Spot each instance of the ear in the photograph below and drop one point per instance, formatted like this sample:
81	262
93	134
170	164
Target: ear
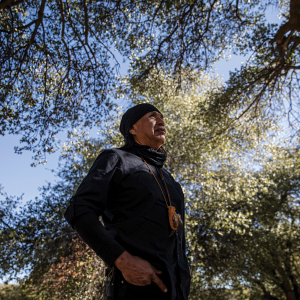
132	130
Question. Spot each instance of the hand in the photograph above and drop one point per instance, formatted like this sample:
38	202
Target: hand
138	271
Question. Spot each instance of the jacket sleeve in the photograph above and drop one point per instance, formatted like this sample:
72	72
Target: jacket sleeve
91	196
96	236
89	203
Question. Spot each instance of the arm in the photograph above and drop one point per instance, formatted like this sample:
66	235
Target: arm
88	204
90	201
92	194
96	236
134	269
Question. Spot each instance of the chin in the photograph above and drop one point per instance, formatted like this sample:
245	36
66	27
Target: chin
162	141
161	138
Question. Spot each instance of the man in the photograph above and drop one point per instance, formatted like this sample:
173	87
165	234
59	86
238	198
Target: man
141	206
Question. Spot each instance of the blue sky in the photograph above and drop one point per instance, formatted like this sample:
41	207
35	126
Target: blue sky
18	177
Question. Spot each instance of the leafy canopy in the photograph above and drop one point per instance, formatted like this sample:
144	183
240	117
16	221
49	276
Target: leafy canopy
59	59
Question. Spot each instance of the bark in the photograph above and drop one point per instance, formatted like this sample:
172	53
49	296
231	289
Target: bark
286	285
295	14
292	24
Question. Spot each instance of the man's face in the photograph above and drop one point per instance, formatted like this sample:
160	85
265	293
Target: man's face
150	130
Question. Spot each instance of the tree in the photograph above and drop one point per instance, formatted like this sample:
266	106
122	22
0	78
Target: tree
58	60
36	240
240	190
270	77
56	68
249	230
79	275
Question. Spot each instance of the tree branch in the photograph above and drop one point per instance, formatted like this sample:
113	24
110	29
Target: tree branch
237	10
292	24
86	23
5	3
38	21
27	25
287	67
279	36
295	40
37	24
63	39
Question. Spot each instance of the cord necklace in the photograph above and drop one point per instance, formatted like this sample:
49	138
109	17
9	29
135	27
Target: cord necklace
174	219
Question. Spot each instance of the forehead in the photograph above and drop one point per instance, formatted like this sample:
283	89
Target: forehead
155	112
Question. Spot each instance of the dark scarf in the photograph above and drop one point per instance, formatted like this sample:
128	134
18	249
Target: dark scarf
150	155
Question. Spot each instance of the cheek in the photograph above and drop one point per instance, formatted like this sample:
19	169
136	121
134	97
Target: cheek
150	125
147	128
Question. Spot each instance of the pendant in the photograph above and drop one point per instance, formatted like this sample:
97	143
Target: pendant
174	219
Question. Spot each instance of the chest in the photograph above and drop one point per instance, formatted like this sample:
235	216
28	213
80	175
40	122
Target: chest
139	188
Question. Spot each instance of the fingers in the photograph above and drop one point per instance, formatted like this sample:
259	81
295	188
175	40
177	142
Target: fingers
160	284
157	280
155	270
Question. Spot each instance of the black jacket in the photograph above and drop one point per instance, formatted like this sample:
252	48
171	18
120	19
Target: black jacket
120	188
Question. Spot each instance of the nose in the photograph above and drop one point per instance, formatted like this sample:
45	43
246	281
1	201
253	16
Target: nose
160	121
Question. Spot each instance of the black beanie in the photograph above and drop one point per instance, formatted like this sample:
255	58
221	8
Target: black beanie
133	114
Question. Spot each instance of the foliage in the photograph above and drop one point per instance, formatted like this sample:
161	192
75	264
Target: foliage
60	58
14	292
227	182
242	201
34	235
77	276
56	68
36	240
246	228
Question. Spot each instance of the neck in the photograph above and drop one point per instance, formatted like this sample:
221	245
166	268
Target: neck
155	147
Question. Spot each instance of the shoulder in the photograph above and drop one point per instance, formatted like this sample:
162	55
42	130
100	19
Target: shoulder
126	156
108	158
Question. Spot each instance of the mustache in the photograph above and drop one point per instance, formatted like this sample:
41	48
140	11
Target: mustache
161	128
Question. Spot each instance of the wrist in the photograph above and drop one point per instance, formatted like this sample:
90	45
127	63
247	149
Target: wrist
122	260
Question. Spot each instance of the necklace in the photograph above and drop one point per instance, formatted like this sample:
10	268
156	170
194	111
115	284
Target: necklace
174	219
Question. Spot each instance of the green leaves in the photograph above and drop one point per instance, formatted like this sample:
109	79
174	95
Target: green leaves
51	70
59	58
225	146
241	190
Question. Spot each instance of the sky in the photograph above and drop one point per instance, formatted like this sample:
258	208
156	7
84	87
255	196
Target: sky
17	177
